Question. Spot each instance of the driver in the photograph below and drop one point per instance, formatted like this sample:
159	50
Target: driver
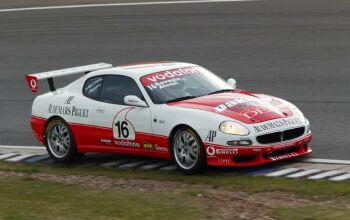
179	89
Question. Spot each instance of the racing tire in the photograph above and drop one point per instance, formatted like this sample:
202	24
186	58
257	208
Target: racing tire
187	151
60	142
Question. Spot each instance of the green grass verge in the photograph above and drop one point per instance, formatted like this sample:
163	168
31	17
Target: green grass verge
324	212
23	198
323	189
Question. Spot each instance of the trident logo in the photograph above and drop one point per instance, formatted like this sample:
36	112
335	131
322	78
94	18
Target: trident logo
282	136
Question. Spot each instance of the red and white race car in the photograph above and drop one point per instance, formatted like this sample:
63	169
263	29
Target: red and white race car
171	110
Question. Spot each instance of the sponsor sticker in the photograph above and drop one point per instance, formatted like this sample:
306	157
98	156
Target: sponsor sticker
161	80
68	110
277	124
220	160
253	112
156	147
93	85
32	82
70	98
106	141
148	146
126	143
211	136
231	103
246	107
212	151
160	148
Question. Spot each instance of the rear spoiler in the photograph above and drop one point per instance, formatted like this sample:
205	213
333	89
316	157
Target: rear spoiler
32	79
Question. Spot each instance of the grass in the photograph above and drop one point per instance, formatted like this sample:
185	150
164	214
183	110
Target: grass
323	189
324	212
23	198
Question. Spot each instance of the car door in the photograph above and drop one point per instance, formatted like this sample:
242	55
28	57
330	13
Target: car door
83	128
121	127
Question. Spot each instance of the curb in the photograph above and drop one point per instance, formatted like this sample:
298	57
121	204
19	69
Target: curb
301	160
22	147
307	168
323	161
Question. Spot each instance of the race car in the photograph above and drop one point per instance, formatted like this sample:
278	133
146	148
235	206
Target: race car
173	110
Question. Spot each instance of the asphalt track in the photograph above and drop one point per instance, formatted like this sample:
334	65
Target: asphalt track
298	50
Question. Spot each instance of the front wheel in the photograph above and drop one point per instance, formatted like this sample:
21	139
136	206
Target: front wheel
188	151
60	143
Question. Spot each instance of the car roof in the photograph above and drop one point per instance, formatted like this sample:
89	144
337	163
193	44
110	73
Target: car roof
140	69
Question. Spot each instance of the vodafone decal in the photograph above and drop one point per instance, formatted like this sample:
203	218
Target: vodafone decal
32	82
168	75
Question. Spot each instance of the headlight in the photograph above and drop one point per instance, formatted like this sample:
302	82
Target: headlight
230	127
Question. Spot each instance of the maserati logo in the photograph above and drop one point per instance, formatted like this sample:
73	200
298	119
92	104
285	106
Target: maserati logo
282	136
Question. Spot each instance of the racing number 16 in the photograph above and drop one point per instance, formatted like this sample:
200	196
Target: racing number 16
123	130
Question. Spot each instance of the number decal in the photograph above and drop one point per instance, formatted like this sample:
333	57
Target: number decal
122	127
123	130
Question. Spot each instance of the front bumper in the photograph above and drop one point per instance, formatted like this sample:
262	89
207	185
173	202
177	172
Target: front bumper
218	155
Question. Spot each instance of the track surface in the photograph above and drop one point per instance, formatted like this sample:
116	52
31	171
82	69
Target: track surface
298	50
10	4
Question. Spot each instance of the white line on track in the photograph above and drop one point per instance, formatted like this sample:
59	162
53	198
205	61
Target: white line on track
119	4
22	147
284	172
304	173
19	158
5	156
324	161
303	160
326	174
341	178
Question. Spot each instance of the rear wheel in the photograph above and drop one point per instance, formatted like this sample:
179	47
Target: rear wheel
60	143
188	151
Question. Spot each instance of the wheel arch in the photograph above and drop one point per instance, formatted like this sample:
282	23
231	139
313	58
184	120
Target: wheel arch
173	131
176	128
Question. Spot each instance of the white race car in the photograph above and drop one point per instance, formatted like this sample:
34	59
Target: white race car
172	110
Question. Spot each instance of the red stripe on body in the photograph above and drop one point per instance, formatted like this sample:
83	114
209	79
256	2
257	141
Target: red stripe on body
89	139
244	107
38	126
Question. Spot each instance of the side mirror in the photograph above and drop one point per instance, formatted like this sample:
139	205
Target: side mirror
133	100
232	83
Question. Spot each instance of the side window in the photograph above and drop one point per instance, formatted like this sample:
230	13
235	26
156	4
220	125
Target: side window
115	88
92	87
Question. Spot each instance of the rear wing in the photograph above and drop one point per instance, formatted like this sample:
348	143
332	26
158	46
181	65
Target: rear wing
32	79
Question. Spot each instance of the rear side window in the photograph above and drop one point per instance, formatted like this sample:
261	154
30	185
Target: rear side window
93	86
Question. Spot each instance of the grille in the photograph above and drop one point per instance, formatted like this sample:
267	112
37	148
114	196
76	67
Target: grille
244	158
280	136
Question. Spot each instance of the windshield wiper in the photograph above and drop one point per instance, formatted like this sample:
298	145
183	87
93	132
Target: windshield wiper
221	91
181	99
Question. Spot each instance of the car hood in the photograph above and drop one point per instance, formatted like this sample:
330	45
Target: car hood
243	106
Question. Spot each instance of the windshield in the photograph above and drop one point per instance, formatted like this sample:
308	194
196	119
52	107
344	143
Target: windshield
183	83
